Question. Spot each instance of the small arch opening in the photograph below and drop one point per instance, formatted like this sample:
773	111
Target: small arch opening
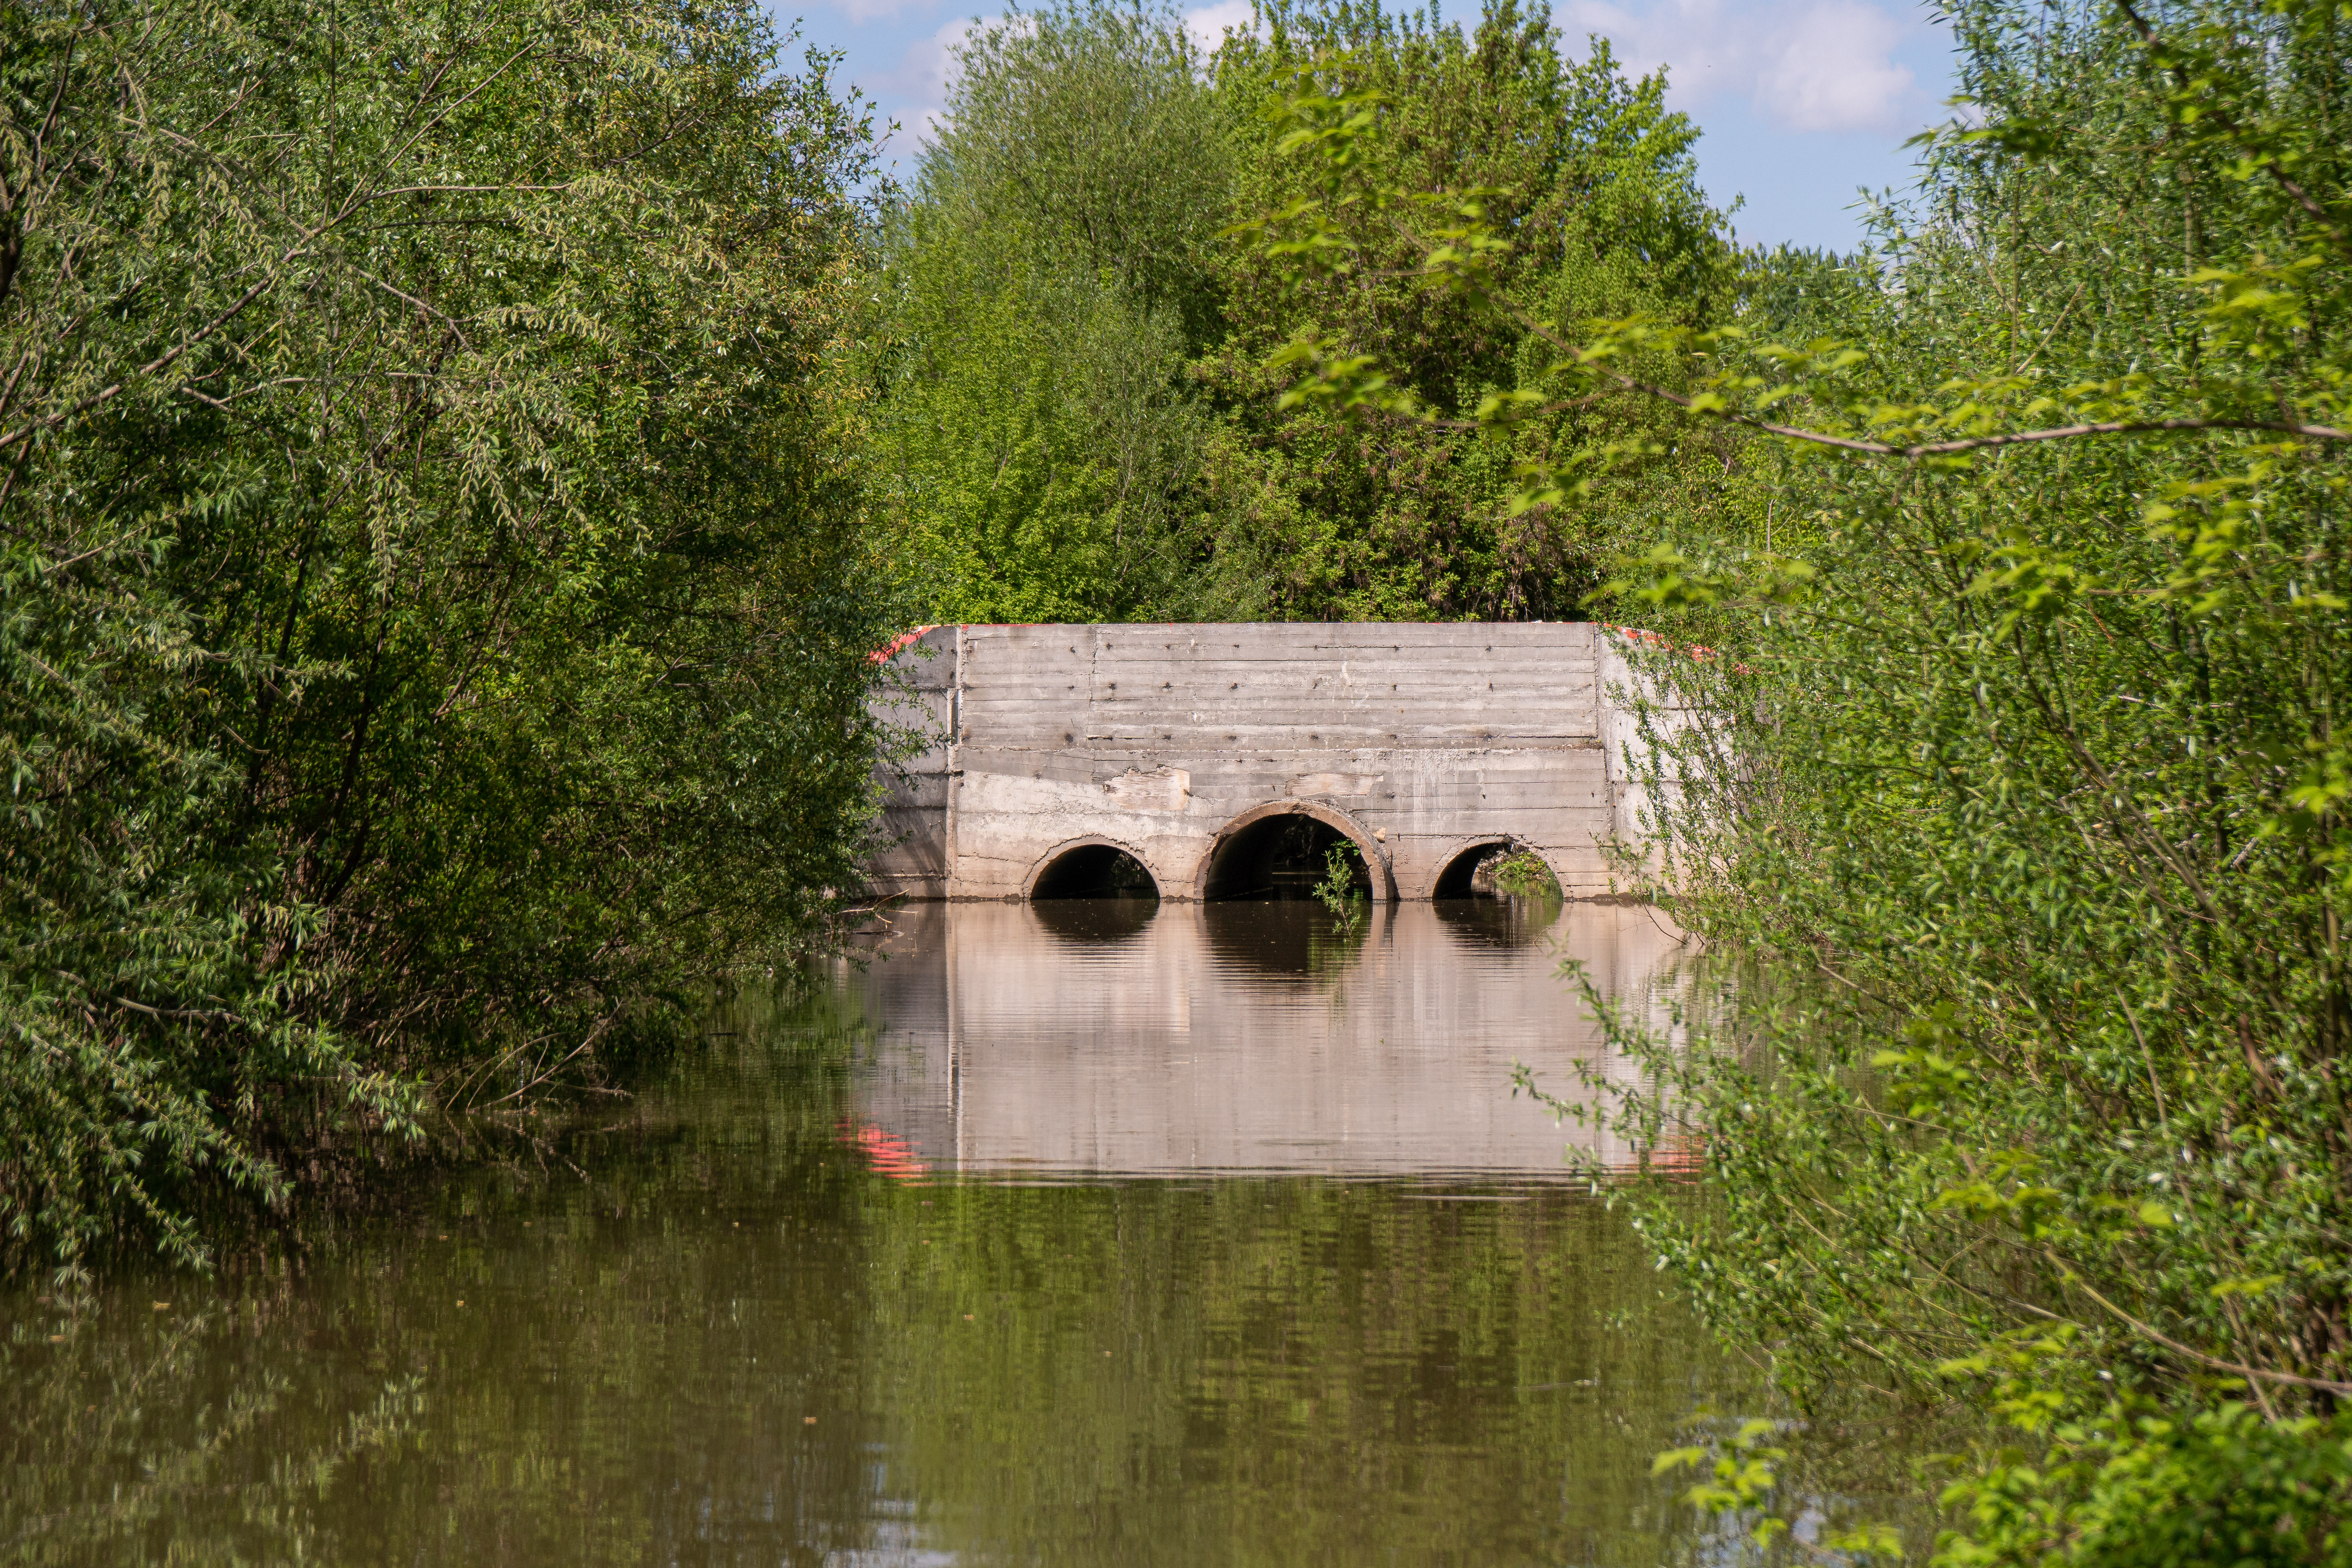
1495	870
1278	858
1094	871
1470	874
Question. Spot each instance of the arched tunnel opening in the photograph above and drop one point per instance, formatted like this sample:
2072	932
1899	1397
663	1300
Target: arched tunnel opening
1471	874
1094	871
1279	857
1499	869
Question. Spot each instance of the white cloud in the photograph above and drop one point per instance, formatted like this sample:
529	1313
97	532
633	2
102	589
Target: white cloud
921	80
1208	24
1828	65
863	11
1688	34
1836	71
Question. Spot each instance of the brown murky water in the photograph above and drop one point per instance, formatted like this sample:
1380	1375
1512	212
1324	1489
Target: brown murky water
1095	1234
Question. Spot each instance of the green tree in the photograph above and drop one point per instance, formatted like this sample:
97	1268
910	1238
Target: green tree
1046	284
2023	781
1074	420
432	601
1588	181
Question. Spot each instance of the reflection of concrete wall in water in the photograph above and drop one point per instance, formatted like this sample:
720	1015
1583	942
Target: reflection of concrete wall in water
1232	1038
1419	741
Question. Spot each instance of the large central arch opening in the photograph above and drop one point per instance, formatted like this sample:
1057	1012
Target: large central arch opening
1094	871
1276	859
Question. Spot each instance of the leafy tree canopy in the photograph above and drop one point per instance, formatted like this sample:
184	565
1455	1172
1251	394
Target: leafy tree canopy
1079	419
432	604
2011	775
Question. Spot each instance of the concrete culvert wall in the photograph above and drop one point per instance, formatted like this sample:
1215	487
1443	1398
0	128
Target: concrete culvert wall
1416	741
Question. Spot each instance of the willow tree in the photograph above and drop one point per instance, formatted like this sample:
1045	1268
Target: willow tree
2022	764
1046	282
431	599
1587	180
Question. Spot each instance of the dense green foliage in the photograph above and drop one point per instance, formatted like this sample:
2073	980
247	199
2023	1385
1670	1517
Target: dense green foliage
434	587
2049	799
2049	809
432	607
1078	420
1588	180
2015	776
1047	283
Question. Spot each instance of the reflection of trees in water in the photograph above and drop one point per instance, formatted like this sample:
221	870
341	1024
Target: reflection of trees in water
582	1393
1344	1373
1150	1373
1497	922
113	1449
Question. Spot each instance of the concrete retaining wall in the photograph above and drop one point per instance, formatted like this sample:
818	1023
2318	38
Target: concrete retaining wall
1419	741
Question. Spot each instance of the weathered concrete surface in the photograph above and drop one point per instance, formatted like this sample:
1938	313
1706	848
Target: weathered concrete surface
1419	742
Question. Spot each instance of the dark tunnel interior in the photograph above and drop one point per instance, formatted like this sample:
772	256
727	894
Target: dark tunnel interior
1096	872
1460	880
1278	858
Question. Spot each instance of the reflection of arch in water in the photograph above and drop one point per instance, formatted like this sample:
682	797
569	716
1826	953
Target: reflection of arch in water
1281	942
1275	851
1090	867
1497	922
1094	922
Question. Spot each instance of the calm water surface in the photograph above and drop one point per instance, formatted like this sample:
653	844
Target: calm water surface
1088	1233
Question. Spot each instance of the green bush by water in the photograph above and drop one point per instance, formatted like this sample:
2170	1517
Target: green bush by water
1337	892
2005	756
433	608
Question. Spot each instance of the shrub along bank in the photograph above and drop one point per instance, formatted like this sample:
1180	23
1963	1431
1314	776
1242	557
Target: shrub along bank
2027	794
432	600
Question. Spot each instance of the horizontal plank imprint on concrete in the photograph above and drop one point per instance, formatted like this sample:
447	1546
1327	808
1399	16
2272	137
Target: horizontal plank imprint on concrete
1295	635
1416	684
1324	736
1580	665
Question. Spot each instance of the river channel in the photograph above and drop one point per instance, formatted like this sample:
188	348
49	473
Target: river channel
1091	1233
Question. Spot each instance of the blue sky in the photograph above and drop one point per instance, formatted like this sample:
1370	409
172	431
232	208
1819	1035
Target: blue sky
1802	102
